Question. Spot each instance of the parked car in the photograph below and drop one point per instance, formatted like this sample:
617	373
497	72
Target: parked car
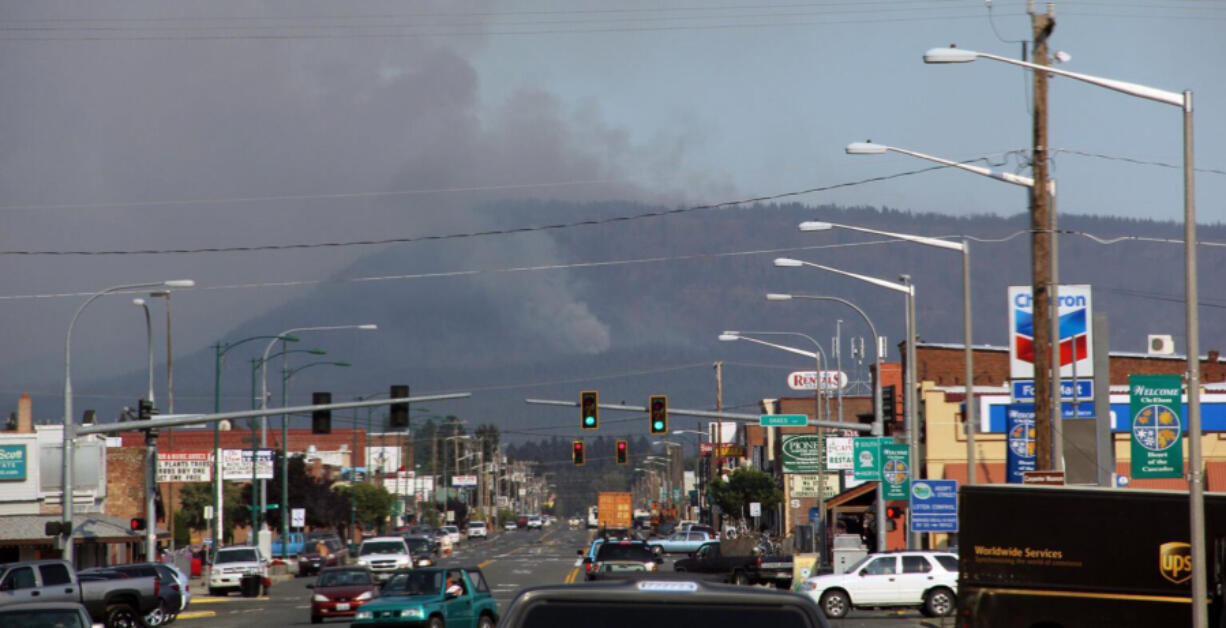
752	568
57	614
927	580
383	555
170	592
340	591
453	532
455	597
229	566
113	602
294	547
679	543
477	530
184	585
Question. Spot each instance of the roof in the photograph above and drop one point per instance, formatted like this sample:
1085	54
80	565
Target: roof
30	529
850	494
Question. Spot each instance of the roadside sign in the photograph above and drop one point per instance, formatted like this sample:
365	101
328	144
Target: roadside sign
867	453
1023	390
1020	441
208	511
800	453
840	452
755	509
176	466
1043	478
934	506
783	420
298	517
1075	311
807	380
896	470
1155	407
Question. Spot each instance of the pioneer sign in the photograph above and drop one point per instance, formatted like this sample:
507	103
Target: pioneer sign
802	453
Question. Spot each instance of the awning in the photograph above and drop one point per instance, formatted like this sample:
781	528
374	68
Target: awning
92	527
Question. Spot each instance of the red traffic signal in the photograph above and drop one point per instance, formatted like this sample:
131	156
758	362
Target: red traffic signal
136	524
577	454
893	512
623	452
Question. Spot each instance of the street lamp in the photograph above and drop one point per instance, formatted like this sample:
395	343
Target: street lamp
148	341
820	356
962	247
878	427
68	451
284	426
1191	298
150	452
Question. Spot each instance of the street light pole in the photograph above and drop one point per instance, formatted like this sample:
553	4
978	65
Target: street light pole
1196	498
878	422
150	450
69	434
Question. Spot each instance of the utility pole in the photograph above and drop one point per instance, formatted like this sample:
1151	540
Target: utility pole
716	449
1040	243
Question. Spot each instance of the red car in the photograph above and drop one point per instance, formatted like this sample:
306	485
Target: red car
339	591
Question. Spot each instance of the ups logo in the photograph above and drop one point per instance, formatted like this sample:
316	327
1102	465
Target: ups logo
1175	561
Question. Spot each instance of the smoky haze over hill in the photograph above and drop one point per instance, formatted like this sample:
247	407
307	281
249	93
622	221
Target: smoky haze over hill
650	326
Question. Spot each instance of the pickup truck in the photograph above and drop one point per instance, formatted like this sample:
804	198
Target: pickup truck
293	548
114	603
709	563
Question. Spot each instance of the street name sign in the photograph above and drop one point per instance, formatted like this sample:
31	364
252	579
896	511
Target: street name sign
783	420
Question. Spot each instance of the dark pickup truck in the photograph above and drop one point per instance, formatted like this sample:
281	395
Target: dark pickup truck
112	602
710	562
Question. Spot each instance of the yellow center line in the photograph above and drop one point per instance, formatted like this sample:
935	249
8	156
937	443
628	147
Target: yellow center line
197	614
484	564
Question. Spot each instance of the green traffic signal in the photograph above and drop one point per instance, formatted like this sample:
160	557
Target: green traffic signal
589	410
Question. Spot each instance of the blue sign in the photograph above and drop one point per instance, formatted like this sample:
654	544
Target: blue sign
1019	441
1023	390
12	462
934	505
815	514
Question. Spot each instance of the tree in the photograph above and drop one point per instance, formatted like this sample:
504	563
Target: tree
372	504
194	496
745	485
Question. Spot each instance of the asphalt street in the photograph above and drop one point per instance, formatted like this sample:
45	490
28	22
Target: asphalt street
511	561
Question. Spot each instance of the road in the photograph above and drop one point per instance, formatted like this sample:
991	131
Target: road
511	561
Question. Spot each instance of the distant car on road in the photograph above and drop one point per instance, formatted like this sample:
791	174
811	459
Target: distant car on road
679	543
621	556
230	564
453	532
340	591
383	555
534	522
510	526
477	529
927	580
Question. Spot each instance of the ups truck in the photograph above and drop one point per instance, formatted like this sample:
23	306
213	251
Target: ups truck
1055	557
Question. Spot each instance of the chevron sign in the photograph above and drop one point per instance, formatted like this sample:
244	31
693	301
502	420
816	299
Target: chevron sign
1076	332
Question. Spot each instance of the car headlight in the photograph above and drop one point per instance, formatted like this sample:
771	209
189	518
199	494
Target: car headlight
365	596
651	566
417	613
320	598
425	562
363	615
363	562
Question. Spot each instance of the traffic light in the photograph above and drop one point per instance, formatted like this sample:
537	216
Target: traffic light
893	512
144	410
55	528
136	524
657	407
889	404
623	452
589	410
399	417
321	420
577	454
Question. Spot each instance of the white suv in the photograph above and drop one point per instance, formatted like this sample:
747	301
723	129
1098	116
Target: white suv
477	529
927	580
383	555
230	564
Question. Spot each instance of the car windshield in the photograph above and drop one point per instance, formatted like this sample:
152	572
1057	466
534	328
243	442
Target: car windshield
476	524
414	583
450	529
623	551
347	578
859	564
418	546
43	618
238	556
381	547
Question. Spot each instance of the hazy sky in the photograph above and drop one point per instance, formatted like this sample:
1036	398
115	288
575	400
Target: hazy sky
134	125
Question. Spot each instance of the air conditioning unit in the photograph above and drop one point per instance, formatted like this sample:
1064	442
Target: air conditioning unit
1161	344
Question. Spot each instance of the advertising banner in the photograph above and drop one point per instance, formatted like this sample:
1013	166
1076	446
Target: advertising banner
13	462
1157	446
896	470
801	453
807	380
182	466
236	464
934	506
1020	437
840	453
464	480
1076	332
867	453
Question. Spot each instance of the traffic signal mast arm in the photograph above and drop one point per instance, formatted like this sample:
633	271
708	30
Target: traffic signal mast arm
730	416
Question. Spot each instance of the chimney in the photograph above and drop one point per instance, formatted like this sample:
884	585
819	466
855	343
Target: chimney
25	417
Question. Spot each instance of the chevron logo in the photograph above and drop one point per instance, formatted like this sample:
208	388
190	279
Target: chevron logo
1073	338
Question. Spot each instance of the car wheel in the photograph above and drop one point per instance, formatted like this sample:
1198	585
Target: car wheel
835	604
316	619
122	616
156	616
436	622
939	602
739	578
217	592
485	622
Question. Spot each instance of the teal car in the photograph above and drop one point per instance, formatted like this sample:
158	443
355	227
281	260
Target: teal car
453	597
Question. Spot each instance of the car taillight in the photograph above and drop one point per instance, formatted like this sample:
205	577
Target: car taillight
759	561
587	567
175	587
157	587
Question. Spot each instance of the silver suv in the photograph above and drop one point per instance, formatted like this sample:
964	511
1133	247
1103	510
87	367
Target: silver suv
383	555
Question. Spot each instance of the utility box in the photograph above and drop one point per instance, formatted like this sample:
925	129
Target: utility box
848	550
